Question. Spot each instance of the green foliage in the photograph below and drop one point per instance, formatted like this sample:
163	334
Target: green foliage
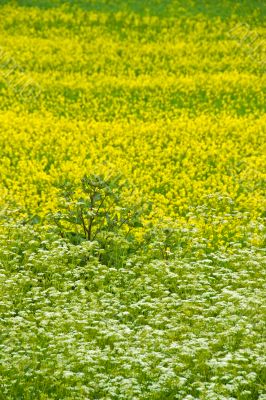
180	328
165	241
94	211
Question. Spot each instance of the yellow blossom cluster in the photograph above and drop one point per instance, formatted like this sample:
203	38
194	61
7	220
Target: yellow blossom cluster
175	105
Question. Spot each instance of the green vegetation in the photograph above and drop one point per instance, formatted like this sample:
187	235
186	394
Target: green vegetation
132	220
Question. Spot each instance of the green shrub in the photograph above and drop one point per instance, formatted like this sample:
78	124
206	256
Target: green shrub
94	211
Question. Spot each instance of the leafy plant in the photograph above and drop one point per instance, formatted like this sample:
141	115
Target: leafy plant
163	241
94	210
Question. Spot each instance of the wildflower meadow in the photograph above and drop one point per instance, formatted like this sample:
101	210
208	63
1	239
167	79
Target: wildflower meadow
132	200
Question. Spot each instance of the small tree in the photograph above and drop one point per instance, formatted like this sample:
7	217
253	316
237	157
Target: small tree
98	213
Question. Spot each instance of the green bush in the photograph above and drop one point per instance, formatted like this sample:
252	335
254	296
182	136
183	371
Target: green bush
94	211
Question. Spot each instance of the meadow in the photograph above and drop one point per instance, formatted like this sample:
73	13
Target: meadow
166	302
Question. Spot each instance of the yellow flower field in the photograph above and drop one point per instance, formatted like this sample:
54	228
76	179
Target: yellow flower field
175	105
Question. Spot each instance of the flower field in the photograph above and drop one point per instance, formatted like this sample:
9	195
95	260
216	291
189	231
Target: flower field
169	95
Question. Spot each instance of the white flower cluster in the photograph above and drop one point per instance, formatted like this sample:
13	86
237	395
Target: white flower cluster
73	328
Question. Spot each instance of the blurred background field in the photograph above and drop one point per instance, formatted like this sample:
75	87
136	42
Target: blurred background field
167	93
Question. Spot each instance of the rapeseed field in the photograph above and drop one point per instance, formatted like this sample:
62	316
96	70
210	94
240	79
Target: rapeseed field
166	302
